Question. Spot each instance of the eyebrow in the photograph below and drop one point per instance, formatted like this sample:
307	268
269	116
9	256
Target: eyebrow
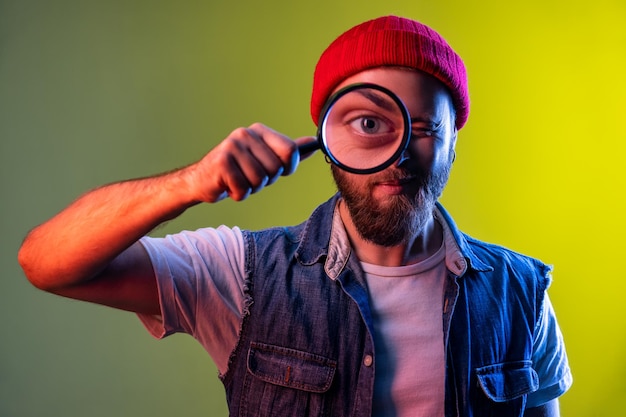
378	100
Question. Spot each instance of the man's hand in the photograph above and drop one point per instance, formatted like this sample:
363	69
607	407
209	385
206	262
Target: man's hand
244	163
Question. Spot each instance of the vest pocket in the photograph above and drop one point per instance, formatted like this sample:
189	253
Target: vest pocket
507	381
284	381
291	368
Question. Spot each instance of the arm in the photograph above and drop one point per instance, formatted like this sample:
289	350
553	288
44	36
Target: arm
550	409
89	252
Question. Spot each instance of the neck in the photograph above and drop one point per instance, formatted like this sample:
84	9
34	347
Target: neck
419	245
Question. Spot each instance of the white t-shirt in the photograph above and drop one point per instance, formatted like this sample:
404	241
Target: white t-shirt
407	311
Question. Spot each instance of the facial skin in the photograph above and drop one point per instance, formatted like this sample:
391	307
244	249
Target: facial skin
394	207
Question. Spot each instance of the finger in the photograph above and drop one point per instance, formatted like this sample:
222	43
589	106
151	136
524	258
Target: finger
267	147
282	146
243	169
259	161
232	180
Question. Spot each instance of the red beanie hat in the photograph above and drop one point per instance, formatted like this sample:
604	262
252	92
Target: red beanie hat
393	41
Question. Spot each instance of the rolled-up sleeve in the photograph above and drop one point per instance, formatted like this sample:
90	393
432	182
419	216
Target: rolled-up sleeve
200	279
549	358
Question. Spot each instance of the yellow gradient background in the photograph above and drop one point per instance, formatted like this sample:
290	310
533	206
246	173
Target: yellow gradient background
95	91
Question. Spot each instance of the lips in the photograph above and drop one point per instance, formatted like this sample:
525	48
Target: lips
397	181
397	186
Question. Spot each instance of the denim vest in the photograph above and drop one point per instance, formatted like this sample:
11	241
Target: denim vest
306	346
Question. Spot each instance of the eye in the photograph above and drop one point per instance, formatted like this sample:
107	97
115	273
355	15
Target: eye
427	128
421	133
369	125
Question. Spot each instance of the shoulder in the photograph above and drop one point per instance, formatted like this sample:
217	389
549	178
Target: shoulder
505	262
200	242
502	254
273	236
492	261
314	232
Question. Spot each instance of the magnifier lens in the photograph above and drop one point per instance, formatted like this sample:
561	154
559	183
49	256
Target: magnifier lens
365	128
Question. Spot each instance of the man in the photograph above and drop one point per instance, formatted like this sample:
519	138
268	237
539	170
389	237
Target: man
376	305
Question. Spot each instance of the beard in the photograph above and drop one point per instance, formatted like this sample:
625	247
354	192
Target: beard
392	222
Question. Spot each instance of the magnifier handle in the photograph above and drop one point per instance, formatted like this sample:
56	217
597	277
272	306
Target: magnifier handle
308	148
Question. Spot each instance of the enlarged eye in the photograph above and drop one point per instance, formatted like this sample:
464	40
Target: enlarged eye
367	125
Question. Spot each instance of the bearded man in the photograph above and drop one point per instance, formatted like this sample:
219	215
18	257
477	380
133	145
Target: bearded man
377	305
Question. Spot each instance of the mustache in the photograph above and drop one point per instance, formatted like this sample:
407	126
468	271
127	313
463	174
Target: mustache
402	175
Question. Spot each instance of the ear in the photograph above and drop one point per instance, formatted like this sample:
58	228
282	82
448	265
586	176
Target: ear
453	144
455	134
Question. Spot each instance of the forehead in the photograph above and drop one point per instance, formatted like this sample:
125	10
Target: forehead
423	94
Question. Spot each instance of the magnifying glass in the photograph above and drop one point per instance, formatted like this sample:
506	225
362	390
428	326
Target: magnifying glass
364	129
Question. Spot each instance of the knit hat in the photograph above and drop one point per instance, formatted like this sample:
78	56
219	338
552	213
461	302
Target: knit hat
393	41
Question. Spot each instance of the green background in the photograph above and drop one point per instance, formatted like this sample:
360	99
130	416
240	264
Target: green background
95	91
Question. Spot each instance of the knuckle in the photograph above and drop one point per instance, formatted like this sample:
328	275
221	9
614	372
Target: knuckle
222	156
257	126
239	132
232	144
238	137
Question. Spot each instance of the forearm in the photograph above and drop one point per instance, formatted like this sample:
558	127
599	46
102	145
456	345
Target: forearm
81	240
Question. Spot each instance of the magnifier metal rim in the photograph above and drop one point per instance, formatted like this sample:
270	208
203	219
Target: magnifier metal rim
406	136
